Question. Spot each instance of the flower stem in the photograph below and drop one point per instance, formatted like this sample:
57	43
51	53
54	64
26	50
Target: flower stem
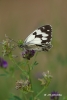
16	64
24	96
35	57
29	73
30	77
40	92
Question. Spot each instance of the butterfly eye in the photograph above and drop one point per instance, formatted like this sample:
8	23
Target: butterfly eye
21	46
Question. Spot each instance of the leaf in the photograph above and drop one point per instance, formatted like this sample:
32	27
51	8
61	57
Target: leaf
64	98
24	64
17	98
6	72
12	69
11	98
14	98
20	64
34	64
31	98
3	74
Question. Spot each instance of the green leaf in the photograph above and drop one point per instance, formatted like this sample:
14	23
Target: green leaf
64	98
34	64
31	98
13	97
3	74
11	70
17	98
6	72
24	64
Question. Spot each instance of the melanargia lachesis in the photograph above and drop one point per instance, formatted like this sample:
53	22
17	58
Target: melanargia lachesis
39	40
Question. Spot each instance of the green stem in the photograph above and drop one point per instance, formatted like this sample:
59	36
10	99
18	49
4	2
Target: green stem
35	56
30	77
34	59
39	92
29	73
16	64
24	96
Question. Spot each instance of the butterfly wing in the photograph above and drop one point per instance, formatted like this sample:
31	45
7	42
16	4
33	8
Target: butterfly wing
41	37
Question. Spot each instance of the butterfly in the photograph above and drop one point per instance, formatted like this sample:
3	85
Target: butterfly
39	40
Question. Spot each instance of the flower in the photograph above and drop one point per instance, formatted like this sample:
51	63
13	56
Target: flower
46	79
23	84
47	74
28	54
3	63
19	84
7	46
54	95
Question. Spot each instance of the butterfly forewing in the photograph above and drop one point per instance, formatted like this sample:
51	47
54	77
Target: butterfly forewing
40	37
47	30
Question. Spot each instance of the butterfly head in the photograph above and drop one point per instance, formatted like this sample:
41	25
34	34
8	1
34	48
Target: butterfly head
20	44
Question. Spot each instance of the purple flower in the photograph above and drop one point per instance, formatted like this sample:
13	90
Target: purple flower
3	63
54	95
28	54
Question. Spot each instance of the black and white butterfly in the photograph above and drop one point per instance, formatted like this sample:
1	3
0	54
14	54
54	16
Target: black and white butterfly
39	40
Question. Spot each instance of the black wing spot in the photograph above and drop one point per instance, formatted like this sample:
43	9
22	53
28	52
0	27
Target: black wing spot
34	33
37	36
43	41
45	29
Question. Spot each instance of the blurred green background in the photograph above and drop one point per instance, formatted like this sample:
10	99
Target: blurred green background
18	18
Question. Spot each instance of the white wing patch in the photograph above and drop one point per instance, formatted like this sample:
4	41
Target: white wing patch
39	32
35	41
29	38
